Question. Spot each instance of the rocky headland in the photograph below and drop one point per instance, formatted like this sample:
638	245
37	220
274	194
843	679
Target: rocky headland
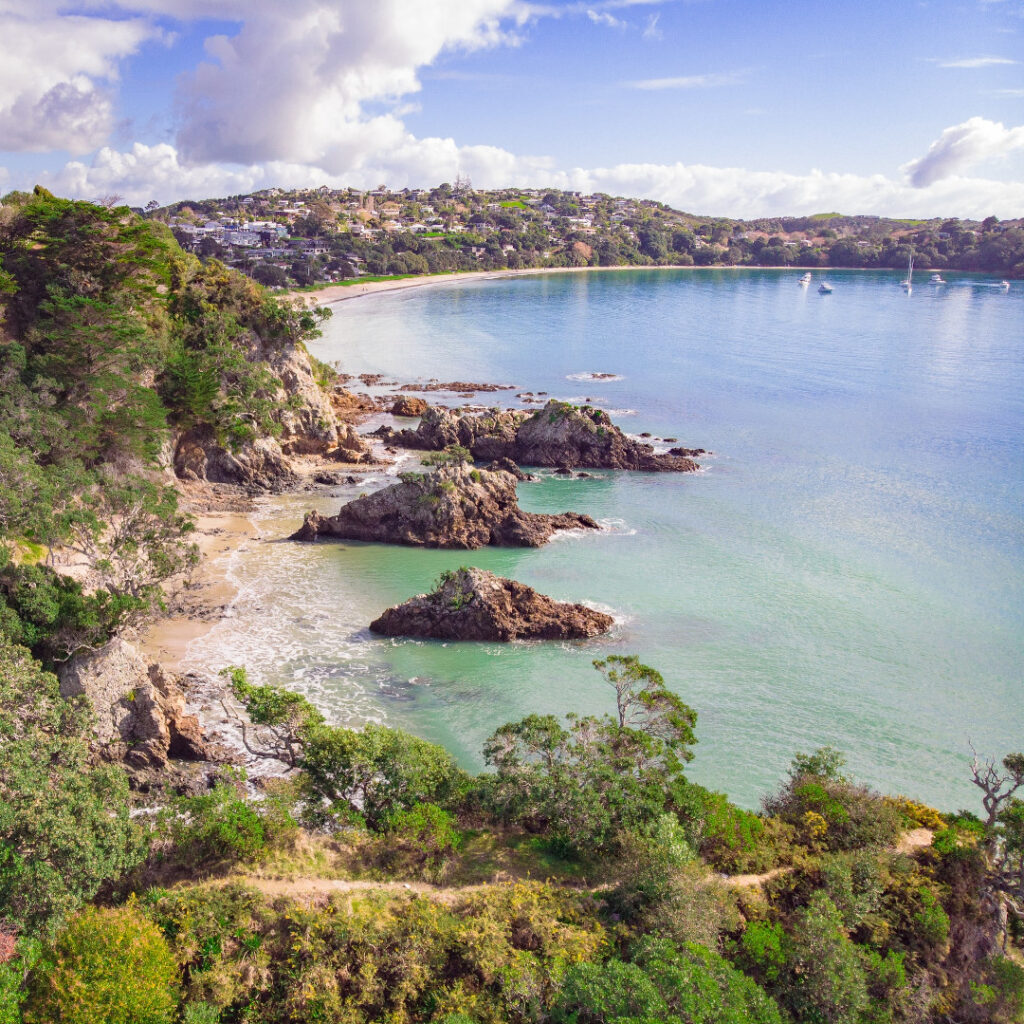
472	604
454	506
558	435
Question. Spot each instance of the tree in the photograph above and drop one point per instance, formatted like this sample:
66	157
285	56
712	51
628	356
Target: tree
376	771
64	823
589	781
997	788
109	966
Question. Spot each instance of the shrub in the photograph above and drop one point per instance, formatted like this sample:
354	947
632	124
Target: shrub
830	812
665	983
224	826
106	967
728	837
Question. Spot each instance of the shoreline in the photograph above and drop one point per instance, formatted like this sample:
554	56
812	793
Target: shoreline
329	294
207	598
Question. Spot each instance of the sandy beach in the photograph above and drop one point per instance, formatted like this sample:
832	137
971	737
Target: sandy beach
197	605
330	294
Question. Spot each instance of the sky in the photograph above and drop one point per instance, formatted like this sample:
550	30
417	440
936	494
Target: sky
742	108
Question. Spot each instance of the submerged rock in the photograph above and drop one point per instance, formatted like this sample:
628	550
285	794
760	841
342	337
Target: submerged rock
472	604
559	434
452	507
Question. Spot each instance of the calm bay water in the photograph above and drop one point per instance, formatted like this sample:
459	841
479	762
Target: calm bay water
848	570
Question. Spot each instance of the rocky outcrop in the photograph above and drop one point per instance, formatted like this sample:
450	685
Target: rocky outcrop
407	405
471	604
559	434
452	507
139	712
259	464
351	446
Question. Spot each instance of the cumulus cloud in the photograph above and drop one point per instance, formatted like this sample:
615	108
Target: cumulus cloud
293	83
962	146
54	74
146	172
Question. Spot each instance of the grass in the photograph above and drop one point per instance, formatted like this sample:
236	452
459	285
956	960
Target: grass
513	204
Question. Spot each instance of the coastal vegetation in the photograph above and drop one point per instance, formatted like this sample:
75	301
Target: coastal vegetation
581	878
301	238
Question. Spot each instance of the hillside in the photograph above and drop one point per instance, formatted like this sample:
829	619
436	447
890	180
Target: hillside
309	236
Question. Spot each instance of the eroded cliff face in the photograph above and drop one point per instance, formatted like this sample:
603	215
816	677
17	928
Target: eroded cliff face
140	717
472	604
309	424
452	507
559	435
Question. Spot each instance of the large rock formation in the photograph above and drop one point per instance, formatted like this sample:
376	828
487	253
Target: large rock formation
139	711
452	507
471	604
559	434
309	425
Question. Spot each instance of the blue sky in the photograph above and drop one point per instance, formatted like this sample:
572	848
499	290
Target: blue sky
741	107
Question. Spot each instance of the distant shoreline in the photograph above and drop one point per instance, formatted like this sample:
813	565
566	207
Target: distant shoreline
330	294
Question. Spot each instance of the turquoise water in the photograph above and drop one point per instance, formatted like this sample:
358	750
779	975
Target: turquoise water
849	569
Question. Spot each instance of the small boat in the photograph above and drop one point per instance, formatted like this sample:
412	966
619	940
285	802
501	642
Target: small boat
806	279
936	279
825	288
1005	285
908	283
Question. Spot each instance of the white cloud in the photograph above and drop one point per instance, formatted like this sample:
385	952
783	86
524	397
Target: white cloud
54	76
709	81
604	18
962	146
976	62
292	84
147	172
651	30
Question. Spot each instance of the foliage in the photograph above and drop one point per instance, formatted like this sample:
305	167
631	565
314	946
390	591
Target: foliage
64	824
586	783
676	985
282	718
223	826
451	455
106	967
828	811
377	772
494	956
52	615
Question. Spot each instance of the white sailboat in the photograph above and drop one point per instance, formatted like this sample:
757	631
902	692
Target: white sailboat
908	284
825	288
806	279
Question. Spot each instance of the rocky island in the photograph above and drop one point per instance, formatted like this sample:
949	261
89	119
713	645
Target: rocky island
473	604
559	434
454	506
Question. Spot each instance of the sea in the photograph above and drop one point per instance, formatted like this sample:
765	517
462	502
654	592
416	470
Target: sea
847	568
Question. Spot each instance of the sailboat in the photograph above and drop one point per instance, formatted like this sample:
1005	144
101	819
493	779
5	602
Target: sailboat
907	284
806	279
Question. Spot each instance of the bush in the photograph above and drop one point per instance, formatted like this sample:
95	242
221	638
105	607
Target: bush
224	826
728	837
688	985
64	822
828	811
429	830
106	967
